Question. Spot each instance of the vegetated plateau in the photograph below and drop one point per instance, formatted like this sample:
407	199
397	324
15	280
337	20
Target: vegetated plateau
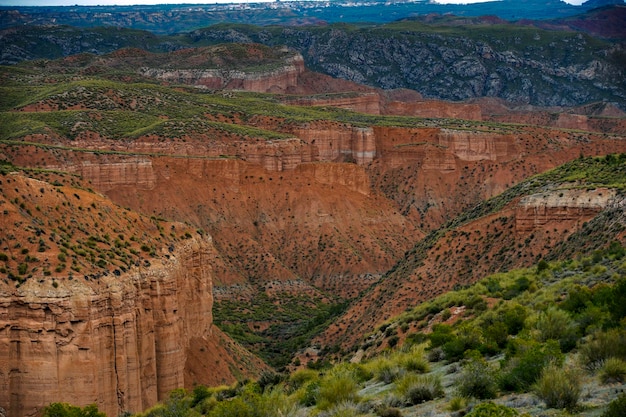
364	251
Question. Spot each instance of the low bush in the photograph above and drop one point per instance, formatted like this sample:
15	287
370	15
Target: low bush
477	379
490	409
336	388
613	370
300	377
308	394
342	409
457	404
414	360
526	360
384	369
559	387
389	412
555	324
67	410
602	346
416	389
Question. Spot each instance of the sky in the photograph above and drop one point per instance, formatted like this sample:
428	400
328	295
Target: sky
132	2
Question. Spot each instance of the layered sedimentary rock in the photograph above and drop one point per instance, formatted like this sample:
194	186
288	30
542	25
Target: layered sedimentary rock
130	171
558	206
121	342
439	149
273	80
338	142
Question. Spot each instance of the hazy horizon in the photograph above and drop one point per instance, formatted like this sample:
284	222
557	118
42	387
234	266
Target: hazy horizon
148	2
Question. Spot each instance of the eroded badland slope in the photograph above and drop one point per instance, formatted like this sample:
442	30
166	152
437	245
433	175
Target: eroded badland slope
101	304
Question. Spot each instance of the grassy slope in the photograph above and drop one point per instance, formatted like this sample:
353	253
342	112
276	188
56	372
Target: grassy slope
489	342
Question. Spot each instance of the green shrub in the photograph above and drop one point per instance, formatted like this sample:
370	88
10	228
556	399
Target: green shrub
521	284
357	371
457	403
542	266
236	407
67	410
496	336
413	364
526	361
603	345
300	377
441	334
200	393
274	403
414	360
617	407
613	370
308	394
555	324
384	369
514	316
416	389
477	379
269	379
336	388
618	300
490	409
466	338
559	388
577	299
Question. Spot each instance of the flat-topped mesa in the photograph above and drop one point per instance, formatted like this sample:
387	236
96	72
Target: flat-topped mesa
278	79
560	206
121	342
441	149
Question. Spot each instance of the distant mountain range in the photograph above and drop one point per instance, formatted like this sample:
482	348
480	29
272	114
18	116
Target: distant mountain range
170	18
557	62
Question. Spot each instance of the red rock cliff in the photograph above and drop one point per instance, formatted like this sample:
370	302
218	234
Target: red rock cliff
119	342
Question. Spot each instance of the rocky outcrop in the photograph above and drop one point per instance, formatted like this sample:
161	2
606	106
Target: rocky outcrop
121	342
559	206
444	63
275	80
338	142
130	171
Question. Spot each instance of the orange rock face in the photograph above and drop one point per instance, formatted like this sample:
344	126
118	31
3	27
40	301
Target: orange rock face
121	342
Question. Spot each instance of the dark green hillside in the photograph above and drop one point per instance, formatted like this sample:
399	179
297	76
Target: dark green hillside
451	59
